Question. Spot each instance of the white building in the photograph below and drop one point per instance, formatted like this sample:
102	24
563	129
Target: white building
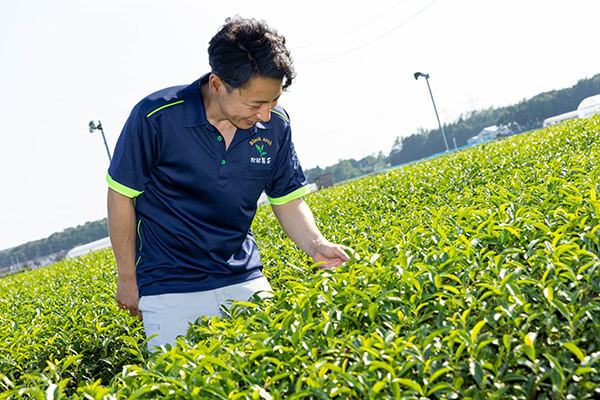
589	106
557	119
489	133
88	248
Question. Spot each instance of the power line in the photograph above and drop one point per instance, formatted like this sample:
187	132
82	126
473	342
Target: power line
353	30
373	40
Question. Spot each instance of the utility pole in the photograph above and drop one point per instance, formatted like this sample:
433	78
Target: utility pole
93	127
426	76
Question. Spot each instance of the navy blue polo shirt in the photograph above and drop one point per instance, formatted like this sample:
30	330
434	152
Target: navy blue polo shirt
195	200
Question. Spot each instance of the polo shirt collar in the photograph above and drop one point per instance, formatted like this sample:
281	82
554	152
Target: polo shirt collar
195	112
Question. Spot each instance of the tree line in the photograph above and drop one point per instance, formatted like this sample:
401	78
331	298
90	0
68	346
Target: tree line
57	243
526	115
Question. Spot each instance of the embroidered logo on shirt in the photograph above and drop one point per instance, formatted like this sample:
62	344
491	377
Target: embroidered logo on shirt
260	150
261	153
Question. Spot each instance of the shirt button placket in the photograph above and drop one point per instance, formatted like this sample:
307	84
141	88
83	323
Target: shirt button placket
222	179
220	139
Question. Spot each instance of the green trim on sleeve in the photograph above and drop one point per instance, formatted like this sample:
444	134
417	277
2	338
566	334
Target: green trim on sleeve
165	106
122	189
140	237
281	115
296	194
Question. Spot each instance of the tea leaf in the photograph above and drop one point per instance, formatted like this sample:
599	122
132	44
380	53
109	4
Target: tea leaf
572	347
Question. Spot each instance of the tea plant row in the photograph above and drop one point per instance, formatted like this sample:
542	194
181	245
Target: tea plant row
476	276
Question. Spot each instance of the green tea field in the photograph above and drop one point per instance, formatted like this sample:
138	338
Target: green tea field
476	276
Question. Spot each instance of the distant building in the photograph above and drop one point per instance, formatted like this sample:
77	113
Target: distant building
489	133
589	106
89	248
324	181
557	119
379	166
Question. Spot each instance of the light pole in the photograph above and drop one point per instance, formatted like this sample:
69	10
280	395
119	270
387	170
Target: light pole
93	127
426	76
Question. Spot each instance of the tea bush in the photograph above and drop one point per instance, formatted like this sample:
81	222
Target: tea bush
475	277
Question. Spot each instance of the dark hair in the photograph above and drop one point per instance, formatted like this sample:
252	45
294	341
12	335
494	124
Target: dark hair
247	48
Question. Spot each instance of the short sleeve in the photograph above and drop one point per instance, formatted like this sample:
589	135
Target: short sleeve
287	182
135	152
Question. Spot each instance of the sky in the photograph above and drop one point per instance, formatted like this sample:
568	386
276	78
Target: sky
66	62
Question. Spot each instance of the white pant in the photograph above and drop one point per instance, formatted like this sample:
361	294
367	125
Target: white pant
170	314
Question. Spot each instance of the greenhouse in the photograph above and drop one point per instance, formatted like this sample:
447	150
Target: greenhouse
589	106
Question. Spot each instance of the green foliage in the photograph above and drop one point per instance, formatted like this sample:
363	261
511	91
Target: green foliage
526	115
347	169
476	276
60	327
55	243
548	104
